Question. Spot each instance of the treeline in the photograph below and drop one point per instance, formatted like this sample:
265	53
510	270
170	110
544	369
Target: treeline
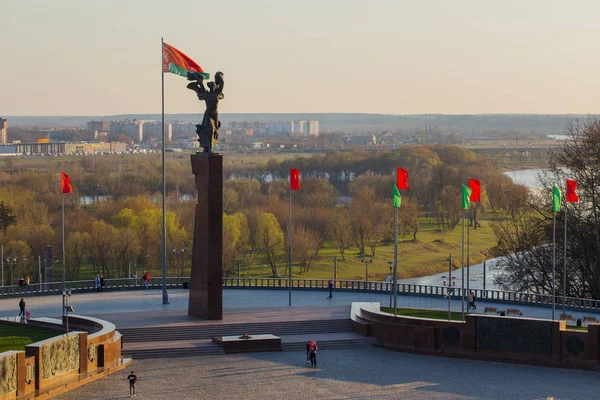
345	201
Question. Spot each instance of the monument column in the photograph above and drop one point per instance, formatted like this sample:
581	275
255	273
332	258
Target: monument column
206	292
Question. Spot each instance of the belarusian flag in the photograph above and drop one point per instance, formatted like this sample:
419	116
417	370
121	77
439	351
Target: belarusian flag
572	192
556	195
466	197
65	183
396	199
176	62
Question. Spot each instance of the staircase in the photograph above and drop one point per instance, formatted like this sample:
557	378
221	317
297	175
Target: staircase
196	340
200	332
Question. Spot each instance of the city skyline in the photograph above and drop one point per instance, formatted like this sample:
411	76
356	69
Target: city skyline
392	57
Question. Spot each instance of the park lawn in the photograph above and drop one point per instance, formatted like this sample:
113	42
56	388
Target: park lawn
431	314
16	337
427	255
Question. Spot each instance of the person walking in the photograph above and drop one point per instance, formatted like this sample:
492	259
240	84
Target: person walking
101	283
132	378
22	307
308	351
97	283
313	354
330	286
472	301
145	279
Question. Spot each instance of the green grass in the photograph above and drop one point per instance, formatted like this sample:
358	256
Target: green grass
16	337
432	314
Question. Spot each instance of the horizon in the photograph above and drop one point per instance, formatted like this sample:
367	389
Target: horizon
73	58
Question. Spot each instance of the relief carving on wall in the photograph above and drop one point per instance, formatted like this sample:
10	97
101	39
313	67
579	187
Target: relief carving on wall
60	357
8	374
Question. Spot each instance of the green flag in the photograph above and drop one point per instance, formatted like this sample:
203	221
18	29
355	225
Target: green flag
466	197
556	195
396	199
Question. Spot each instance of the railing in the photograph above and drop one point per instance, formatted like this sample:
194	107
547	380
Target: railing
307	284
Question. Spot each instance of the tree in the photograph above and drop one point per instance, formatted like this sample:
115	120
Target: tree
76	247
6	217
269	237
340	229
231	237
304	249
525	240
408	217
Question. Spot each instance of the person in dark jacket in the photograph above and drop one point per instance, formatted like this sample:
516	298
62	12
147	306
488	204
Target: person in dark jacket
22	307
330	286
313	354
132	378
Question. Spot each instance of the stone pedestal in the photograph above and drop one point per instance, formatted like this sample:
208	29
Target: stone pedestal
206	291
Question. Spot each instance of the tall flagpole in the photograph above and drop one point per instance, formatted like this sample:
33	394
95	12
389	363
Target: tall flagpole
290	247
553	263
565	264
395	257
462	269
468	257
164	184
62	197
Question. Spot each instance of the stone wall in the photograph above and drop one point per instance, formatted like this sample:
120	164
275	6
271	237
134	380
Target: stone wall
8	373
494	338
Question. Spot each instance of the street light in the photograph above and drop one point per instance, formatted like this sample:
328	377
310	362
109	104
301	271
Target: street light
367	262
66	294
449	283
11	262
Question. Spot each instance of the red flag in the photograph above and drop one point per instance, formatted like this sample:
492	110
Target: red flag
402	179
475	185
294	179
572	192
66	183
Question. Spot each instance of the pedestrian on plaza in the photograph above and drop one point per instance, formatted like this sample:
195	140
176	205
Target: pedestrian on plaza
472	301
146	279
101	283
97	283
166	296
330	286
308	351
27	280
21	282
313	353
22	307
132	378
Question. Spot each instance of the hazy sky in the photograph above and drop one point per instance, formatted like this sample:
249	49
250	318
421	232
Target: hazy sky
101	57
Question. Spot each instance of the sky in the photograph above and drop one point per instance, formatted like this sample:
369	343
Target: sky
103	57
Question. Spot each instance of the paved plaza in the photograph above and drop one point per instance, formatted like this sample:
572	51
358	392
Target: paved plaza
365	373
105	304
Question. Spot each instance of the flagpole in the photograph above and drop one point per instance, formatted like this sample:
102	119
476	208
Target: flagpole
164	184
62	198
395	257
462	269
468	256
565	264
290	247
553	263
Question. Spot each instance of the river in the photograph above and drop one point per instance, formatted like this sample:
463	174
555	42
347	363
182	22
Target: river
525	177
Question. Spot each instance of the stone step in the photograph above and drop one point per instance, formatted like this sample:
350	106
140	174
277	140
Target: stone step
195	332
214	351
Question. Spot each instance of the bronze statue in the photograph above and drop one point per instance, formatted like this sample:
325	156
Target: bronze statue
208	130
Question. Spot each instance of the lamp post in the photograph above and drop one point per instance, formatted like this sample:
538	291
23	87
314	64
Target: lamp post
11	262
367	262
449	282
178	261
66	294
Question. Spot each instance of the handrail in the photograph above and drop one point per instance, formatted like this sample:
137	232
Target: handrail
533	299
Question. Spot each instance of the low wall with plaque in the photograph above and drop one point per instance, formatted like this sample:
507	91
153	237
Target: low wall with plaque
483	337
49	367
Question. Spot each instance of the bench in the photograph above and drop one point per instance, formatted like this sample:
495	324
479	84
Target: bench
593	320
513	311
567	317
490	310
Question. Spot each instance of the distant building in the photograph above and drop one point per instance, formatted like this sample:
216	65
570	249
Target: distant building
300	128
98	126
367	140
134	128
313	128
3	131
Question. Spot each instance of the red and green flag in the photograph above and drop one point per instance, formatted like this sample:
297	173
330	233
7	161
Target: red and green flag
466	197
294	179
572	196
402	179
396	198
556	195
475	185
65	183
177	62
